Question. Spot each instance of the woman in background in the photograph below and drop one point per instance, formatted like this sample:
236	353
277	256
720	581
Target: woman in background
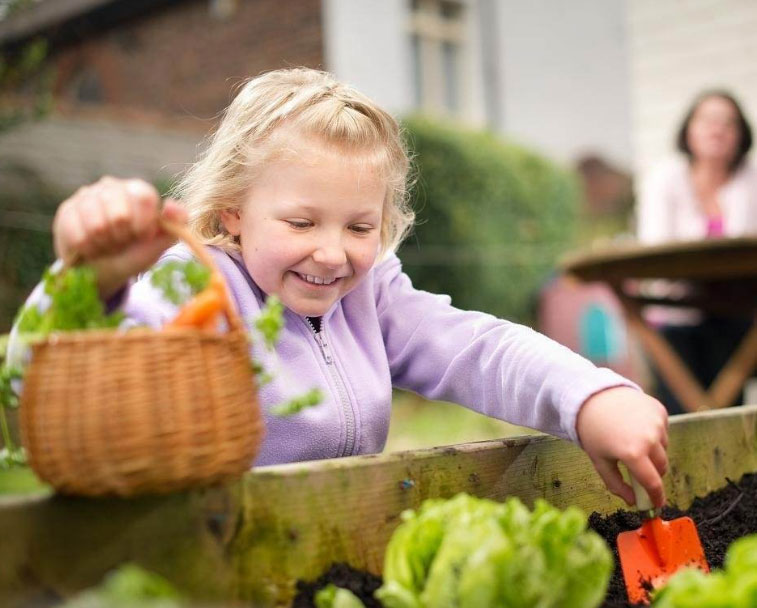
709	192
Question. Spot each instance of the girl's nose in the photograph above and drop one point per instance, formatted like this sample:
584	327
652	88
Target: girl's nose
331	256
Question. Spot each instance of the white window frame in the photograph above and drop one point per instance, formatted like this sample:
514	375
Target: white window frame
431	31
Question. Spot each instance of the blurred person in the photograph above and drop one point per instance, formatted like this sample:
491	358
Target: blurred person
302	193
709	191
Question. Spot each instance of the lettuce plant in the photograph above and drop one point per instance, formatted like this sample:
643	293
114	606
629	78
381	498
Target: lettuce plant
733	587
469	552
332	596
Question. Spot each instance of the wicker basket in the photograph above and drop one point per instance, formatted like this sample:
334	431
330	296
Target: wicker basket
145	411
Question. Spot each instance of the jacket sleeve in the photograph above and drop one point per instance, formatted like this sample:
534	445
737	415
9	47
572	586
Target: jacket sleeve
495	367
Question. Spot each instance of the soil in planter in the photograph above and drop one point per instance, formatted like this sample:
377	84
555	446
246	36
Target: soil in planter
362	584
721	517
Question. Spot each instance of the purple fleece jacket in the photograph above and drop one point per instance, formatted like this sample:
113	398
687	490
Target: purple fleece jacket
384	334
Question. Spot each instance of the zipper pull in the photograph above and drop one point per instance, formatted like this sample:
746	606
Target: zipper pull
324	347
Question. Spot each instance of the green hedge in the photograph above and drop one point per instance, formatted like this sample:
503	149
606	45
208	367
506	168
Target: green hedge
492	218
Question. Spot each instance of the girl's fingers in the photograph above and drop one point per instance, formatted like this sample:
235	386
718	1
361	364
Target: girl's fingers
145	203
172	210
118	215
647	474
68	233
92	217
659	458
610	474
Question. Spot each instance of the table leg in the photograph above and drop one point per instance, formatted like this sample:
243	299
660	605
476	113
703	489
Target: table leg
681	381
739	367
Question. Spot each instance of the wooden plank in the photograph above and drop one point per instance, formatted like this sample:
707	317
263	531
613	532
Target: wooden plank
251	540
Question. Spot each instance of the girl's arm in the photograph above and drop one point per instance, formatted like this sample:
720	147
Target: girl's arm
509	371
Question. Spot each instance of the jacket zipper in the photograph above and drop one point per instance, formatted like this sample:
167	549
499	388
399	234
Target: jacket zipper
349	414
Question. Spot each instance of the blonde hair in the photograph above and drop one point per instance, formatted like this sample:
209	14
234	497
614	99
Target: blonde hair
308	103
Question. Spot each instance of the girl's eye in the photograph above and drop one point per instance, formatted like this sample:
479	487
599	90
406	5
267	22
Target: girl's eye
361	228
299	224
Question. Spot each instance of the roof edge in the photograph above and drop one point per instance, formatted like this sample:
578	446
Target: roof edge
25	24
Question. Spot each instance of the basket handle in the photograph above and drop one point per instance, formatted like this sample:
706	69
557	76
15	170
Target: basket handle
182	233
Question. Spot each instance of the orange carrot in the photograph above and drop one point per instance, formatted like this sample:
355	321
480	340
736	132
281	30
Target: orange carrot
204	306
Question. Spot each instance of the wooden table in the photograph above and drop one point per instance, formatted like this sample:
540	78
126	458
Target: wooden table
723	278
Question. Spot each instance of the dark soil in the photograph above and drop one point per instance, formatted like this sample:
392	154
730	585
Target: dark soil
362	584
721	517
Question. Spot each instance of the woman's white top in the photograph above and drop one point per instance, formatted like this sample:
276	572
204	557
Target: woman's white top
668	210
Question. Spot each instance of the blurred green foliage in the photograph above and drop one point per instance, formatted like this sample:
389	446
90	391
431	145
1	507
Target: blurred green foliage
492	218
27	205
25	85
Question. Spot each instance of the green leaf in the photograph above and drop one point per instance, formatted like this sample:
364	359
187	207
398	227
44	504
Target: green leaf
270	322
129	585
293	406
178	281
74	304
332	596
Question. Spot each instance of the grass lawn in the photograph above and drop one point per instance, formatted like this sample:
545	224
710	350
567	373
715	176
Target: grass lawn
20	480
419	423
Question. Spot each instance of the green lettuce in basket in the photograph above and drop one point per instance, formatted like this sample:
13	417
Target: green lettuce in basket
73	303
472	552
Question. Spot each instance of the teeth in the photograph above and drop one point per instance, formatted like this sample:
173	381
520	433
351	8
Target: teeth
317	280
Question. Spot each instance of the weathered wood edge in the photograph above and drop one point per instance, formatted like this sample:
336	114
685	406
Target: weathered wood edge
251	540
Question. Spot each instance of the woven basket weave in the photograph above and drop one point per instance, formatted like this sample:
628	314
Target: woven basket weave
104	412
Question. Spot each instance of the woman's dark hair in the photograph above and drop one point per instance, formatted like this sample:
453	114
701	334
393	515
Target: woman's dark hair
745	131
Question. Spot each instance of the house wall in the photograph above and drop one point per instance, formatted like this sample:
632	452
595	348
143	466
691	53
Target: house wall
677	49
564	85
549	73
183	61
366	44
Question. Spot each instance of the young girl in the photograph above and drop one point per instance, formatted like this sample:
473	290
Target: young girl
302	193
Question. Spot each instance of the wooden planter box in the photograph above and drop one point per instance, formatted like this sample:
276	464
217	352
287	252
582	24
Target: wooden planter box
251	540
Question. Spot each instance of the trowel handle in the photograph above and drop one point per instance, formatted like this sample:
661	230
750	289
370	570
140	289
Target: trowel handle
643	502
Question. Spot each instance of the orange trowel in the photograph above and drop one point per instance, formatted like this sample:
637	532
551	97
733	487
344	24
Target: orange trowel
651	554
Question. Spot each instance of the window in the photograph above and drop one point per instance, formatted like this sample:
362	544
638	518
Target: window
86	86
222	10
436	43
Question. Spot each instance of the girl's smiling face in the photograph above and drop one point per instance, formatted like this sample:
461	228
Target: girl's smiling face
310	226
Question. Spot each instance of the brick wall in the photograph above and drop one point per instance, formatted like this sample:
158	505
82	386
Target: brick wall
182	61
678	48
164	79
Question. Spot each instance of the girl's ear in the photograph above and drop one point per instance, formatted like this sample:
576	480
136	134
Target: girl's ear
232	221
